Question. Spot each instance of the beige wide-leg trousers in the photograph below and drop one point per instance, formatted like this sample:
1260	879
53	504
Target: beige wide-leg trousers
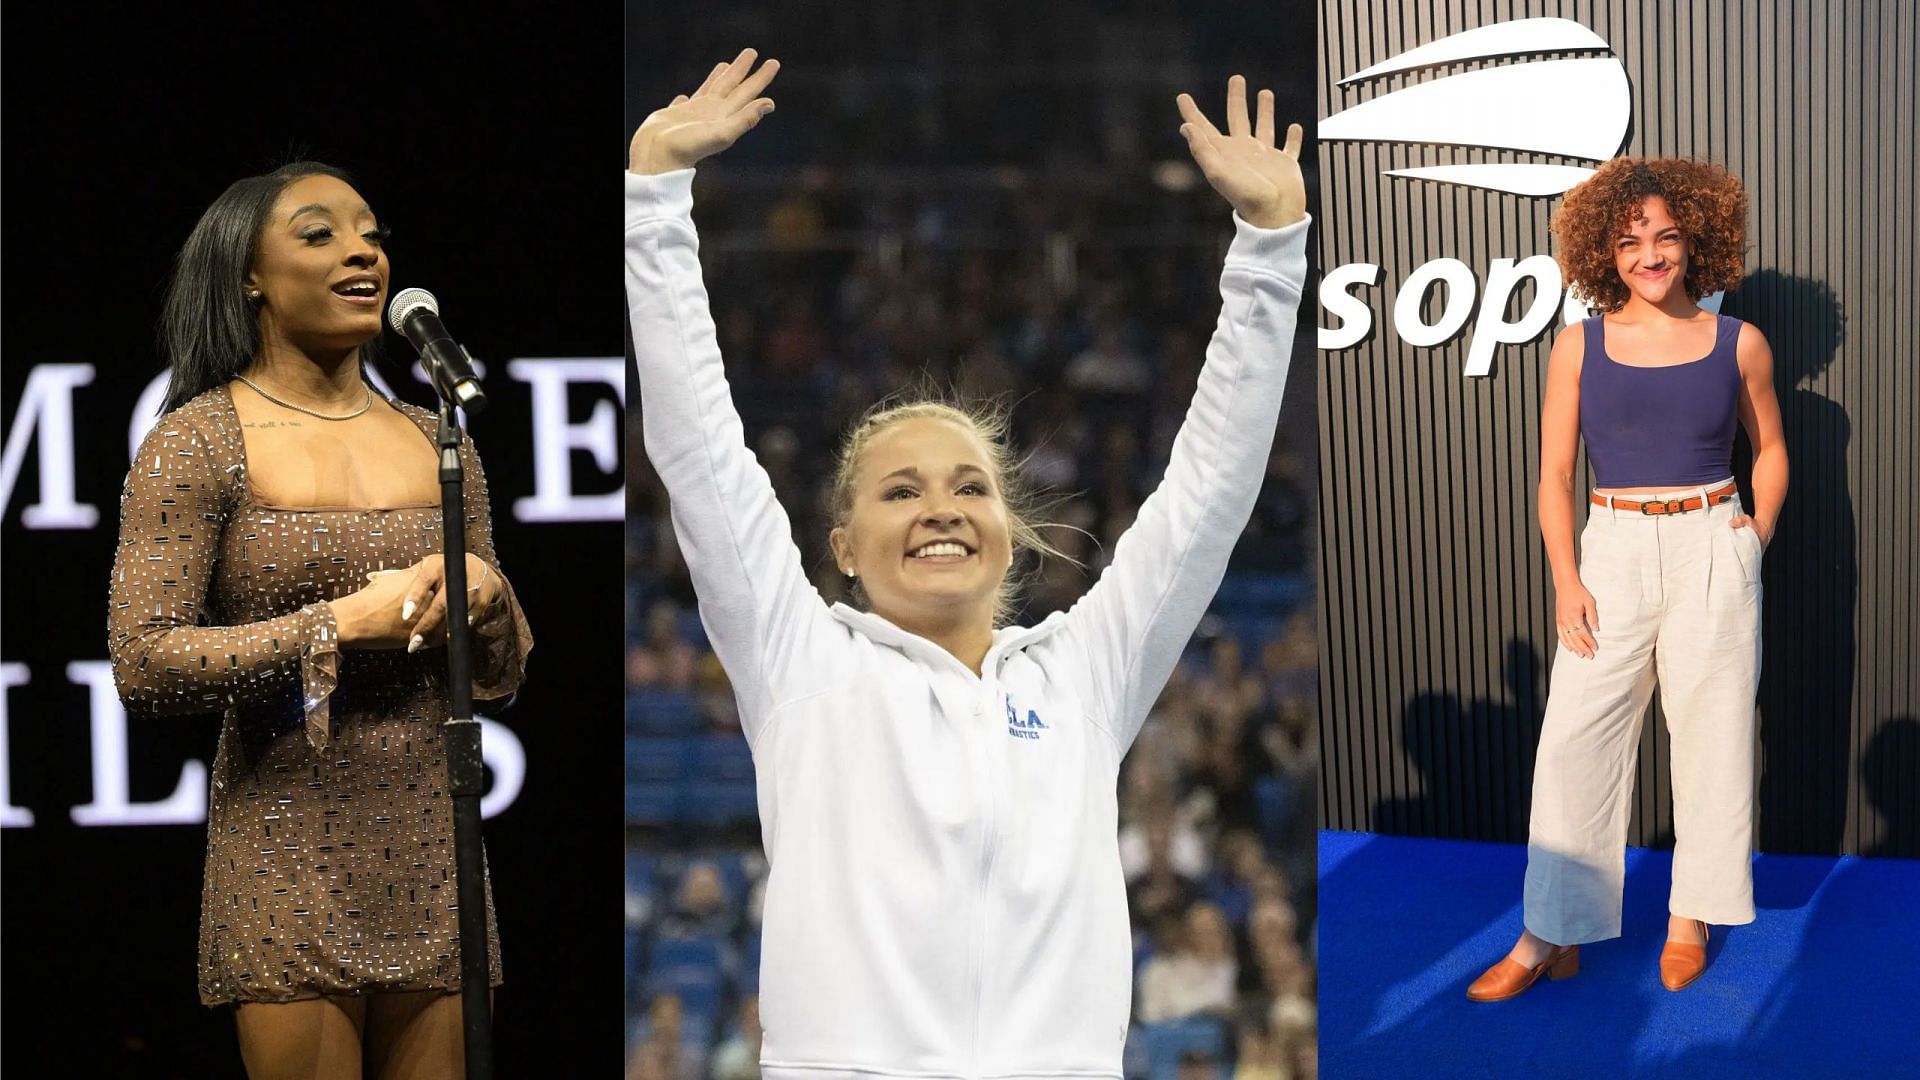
1678	601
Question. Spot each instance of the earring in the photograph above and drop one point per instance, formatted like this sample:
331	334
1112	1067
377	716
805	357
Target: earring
847	572
254	295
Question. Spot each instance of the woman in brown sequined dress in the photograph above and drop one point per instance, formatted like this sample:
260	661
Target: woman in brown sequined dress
278	565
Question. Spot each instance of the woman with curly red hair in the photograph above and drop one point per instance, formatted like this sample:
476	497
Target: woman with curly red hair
1667	588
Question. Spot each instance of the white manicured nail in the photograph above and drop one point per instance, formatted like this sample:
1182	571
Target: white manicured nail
406	609
413	645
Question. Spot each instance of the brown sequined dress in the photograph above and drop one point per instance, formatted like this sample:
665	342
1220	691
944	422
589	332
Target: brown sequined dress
329	827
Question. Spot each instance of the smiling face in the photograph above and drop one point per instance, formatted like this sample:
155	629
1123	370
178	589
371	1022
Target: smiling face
927	533
320	272
1651	253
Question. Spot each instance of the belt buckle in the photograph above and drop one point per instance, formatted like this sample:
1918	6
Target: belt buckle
1657	508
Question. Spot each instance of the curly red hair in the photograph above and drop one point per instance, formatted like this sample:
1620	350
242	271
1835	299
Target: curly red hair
1707	202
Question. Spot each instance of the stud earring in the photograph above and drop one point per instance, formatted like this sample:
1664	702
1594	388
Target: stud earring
254	295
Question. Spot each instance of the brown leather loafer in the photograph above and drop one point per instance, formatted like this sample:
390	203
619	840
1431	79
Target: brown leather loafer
1681	963
1509	978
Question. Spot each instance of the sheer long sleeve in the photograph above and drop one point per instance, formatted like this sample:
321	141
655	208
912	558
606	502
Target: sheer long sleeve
178	496
501	640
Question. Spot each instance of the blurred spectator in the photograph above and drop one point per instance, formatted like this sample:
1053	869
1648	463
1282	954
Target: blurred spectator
1197	1065
1109	366
1260	1055
662	660
738	1056
1195	973
661	1053
1153	825
1295	1023
1241	864
714	691
700	909
1160	891
1290	663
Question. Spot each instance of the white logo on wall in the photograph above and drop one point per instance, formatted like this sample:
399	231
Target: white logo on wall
1515	107
1576	108
43	426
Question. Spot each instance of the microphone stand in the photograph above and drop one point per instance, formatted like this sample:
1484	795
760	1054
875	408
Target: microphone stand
463	758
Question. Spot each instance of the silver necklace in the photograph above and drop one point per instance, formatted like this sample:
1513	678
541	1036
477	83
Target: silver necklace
302	408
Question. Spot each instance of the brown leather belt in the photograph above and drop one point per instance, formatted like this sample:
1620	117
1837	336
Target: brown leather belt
1668	506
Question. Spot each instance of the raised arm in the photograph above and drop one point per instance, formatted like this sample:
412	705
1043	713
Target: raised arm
1136	619
755	599
165	660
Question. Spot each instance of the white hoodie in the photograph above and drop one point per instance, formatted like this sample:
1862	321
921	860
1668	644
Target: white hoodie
944	896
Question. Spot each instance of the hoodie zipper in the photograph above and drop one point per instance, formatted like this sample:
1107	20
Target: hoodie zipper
990	826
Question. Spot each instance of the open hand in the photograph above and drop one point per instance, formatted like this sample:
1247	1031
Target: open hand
697	126
1263	183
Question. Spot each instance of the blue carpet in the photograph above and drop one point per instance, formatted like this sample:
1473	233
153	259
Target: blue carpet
1824	983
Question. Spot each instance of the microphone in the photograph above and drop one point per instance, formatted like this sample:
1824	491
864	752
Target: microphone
415	314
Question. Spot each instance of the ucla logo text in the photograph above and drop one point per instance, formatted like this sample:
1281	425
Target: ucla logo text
1030	728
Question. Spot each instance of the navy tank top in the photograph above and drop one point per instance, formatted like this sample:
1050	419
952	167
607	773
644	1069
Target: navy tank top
1660	426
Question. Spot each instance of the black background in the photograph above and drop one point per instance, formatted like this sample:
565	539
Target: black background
492	148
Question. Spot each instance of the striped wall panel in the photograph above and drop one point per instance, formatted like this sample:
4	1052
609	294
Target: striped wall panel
1436	599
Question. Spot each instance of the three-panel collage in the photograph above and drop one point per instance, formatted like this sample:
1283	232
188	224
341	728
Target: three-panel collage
1339	539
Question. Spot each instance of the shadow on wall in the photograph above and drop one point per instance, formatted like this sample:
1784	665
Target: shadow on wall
1474	759
1887	768
1812	575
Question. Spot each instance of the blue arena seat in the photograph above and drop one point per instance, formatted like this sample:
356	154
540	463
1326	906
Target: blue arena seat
1254	630
658	758
1169	1039
749	981
1252	593
632	969
692	630
642	879
694	969
722	757
718	802
733	874
652	804
1274	797
651	711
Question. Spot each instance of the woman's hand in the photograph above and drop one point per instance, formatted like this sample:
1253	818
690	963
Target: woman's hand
426	599
696	127
371	618
1262	183
1748	521
1576	618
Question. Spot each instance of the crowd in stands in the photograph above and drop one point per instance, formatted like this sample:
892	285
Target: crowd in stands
1217	813
1082	291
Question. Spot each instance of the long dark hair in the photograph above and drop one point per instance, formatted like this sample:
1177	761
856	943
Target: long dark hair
209	332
